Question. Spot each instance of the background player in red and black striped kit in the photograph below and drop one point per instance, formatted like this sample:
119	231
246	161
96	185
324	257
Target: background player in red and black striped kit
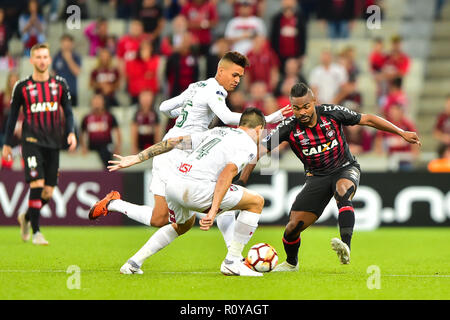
315	134
48	124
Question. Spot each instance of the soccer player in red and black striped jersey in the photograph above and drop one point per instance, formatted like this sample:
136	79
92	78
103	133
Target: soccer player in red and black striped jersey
48	124
315	134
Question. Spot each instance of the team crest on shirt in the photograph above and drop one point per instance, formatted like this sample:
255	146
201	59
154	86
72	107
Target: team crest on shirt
331	133
33	93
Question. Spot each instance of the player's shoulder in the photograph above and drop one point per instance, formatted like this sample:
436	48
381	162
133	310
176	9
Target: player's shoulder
22	82
60	80
287	122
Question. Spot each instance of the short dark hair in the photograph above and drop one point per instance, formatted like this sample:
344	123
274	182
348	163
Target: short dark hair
237	58
299	90
397	82
67	36
252	117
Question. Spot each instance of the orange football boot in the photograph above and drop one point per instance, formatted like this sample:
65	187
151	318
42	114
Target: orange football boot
100	207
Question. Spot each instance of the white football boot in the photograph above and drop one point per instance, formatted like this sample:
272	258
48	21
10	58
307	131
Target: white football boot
39	240
24	226
237	268
285	267
131	267
342	250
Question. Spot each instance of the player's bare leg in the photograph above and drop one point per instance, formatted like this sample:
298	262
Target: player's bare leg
159	240
298	221
251	205
345	190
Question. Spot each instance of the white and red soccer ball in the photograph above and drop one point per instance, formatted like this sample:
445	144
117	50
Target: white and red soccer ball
262	257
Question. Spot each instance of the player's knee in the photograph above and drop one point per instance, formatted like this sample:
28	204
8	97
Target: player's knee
344	193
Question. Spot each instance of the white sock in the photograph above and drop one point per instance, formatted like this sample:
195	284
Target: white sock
159	240
225	222
245	227
142	214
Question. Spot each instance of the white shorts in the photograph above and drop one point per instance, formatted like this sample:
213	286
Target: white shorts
164	166
184	196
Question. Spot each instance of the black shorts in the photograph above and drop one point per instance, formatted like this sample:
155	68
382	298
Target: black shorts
40	163
318	190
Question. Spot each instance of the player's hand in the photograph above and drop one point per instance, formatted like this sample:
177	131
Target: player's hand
72	141
207	222
286	111
123	162
7	152
411	137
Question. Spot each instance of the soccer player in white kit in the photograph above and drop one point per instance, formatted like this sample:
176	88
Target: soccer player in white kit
195	108
203	183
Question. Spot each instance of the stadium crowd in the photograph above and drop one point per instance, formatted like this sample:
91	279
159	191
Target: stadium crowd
198	31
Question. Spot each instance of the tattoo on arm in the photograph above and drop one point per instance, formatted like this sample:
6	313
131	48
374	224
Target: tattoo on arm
165	146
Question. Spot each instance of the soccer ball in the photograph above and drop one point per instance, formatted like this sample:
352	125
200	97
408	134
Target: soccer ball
262	257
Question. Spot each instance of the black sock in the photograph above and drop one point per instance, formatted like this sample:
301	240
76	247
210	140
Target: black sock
291	247
346	221
34	208
44	201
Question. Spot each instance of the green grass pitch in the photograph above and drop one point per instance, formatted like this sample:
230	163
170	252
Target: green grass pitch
414	263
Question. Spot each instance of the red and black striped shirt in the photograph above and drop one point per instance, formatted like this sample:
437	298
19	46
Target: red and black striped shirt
47	111
323	148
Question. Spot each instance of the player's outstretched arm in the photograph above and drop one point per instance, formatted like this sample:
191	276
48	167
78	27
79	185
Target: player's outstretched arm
384	125
150	152
279	115
222	185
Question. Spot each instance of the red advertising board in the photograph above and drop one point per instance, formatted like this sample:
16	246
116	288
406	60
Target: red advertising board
72	198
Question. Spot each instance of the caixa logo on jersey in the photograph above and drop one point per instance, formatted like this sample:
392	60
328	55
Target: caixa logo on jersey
321	148
44	106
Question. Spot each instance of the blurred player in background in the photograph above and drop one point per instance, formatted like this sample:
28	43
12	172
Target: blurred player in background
203	183
195	108
47	126
315	135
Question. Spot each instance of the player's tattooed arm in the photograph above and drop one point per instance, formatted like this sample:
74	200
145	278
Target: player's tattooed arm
150	152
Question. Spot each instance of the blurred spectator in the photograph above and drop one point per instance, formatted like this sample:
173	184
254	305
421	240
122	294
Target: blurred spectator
171	42
124	8
67	64
358	138
258	7
258	92
218	50
5	101
5	34
54	8
347	58
442	127
145	127
99	129
291	70
397	62
105	78
12	10
32	26
128	45
264	64
202	17
97	34
181	67
285	89
288	32
82	4
172	8
438	9
349	96
339	16
308	8
142	72
236	101
441	164
395	96
327	79
377	57
241	30
152	16
400	151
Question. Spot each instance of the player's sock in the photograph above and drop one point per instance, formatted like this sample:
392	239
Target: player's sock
142	214
346	221
159	240
225	222
34	208
44	201
245	226
291	245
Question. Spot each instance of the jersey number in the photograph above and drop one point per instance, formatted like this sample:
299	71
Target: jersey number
183	114
204	150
